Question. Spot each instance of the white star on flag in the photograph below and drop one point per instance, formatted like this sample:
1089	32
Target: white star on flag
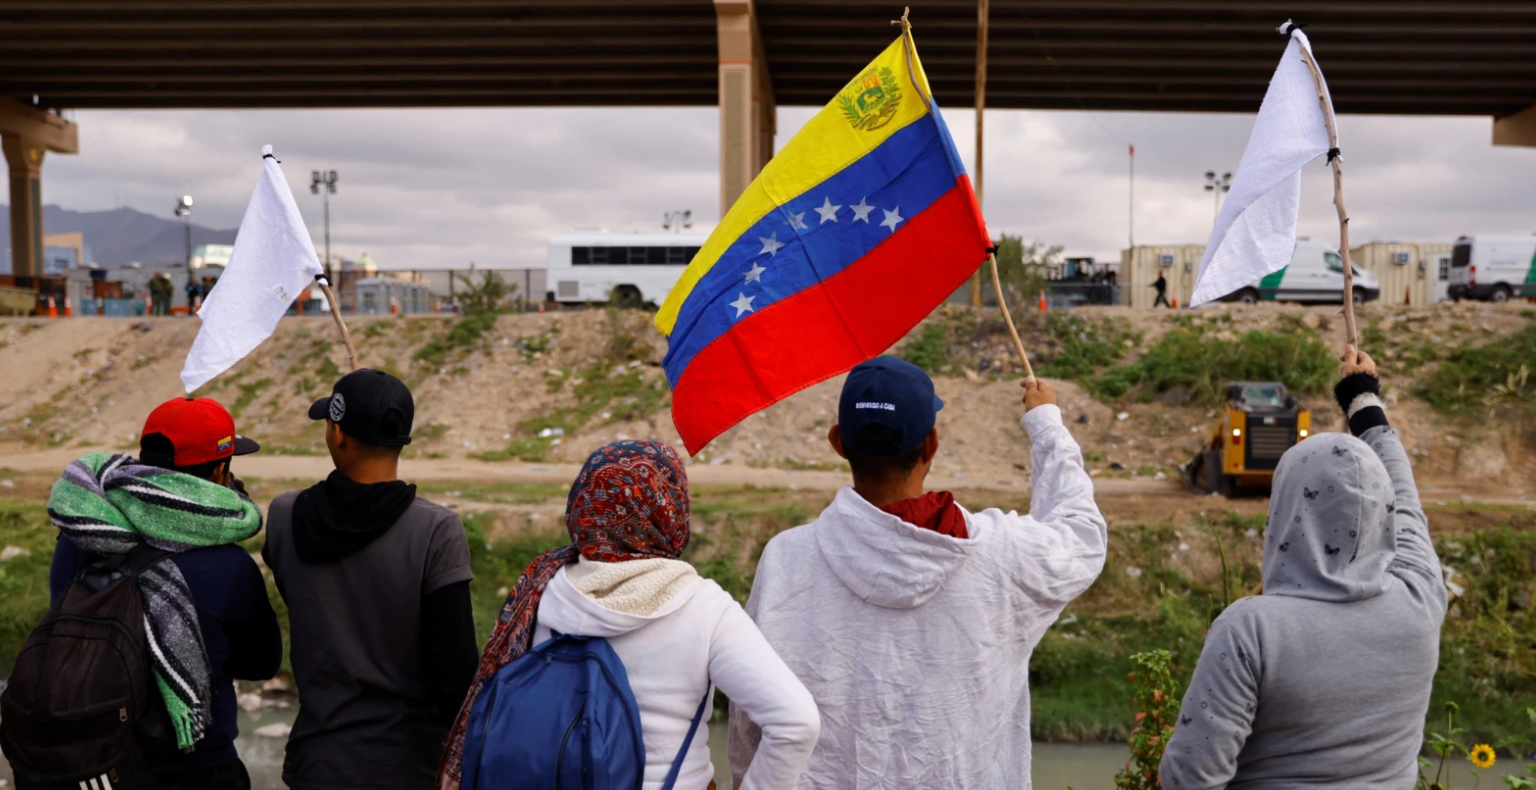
743	304
797	221
771	244
827	211
755	274
892	219
861	211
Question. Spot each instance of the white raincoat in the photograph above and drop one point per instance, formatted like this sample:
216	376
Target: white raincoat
916	645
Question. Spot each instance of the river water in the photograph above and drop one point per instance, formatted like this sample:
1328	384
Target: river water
1057	766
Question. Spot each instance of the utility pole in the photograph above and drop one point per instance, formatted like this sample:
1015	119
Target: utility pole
184	210
326	178
981	106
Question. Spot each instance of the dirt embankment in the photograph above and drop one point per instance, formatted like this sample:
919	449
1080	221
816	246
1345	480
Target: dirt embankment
587	377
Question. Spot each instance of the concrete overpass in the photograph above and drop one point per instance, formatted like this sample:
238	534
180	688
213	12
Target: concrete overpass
1430	57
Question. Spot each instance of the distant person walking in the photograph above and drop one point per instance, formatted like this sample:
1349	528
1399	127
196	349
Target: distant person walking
377	585
676	634
209	619
911	619
1161	284
1324	680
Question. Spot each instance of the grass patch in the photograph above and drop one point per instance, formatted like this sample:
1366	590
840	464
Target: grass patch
1497	373
1084	347
466	334
930	349
1202	361
495	493
248	395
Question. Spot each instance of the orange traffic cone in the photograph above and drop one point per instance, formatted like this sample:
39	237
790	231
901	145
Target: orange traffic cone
541	307
53	310
69	311
1042	301
1407	295
1175	303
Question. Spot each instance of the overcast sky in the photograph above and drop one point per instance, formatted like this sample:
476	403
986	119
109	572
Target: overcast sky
438	188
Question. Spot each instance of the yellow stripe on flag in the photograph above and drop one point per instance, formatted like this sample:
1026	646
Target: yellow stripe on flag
839	135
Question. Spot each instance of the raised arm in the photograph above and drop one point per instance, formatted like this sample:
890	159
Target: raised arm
1416	564
1065	535
1218	709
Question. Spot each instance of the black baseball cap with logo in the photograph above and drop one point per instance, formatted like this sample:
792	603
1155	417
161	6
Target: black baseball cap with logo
370	406
892	393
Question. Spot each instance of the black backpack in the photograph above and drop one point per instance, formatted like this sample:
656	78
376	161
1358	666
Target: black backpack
82	709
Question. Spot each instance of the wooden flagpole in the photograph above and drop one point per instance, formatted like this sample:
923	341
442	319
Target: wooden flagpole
981	83
346	337
1351	336
982	15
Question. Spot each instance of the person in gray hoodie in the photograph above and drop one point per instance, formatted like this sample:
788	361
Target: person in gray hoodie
1323	681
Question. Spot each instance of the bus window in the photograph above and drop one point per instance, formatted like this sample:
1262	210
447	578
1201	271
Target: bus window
581	256
677	255
655	255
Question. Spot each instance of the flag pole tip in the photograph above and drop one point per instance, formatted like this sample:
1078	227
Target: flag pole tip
1289	27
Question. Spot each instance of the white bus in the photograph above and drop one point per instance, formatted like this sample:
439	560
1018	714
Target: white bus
632	268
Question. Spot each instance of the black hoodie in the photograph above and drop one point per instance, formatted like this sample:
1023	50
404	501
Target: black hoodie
338	516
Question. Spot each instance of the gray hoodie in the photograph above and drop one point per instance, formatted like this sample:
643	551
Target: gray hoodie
1323	681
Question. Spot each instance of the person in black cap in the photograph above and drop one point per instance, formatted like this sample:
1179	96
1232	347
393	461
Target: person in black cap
910	619
376	580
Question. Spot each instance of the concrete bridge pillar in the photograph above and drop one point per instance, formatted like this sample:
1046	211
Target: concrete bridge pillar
26	135
748	114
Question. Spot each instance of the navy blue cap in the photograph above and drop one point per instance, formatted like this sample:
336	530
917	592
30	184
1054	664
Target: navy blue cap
889	392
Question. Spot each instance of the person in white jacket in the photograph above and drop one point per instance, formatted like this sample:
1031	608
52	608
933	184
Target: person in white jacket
676	633
910	619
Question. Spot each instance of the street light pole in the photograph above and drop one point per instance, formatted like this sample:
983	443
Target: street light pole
184	210
1218	186
326	178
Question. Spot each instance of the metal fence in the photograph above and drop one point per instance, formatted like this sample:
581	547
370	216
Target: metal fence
1066	295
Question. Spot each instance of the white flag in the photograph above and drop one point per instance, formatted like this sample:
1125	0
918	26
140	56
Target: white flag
273	261
1255	232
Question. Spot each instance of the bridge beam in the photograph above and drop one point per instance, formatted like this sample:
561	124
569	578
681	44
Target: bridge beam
748	114
26	134
1517	129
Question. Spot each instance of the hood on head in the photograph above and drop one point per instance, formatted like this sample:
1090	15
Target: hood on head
566	610
885	560
1330	534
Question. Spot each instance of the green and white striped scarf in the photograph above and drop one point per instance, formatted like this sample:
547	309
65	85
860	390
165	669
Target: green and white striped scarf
108	503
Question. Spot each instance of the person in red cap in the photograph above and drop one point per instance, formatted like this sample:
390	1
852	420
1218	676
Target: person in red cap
196	439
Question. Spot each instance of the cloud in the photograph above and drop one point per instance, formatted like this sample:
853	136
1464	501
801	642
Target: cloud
437	188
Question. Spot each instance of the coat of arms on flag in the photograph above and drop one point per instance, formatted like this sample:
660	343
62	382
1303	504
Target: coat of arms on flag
860	226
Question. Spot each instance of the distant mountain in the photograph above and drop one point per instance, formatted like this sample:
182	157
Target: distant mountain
120	236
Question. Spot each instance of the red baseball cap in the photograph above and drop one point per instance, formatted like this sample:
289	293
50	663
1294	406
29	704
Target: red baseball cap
200	429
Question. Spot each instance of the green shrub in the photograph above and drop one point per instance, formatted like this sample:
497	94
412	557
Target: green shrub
1085	346
1203	362
930	349
1472	377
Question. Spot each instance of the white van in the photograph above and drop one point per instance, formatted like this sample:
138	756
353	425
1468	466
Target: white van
1493	268
633	268
1315	274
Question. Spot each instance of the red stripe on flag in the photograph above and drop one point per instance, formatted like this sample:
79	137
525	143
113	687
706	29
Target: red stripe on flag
828	328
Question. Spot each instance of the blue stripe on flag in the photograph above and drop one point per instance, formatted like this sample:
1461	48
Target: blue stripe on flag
796	249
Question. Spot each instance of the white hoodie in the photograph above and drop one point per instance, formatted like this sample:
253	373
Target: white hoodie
916	645
692	633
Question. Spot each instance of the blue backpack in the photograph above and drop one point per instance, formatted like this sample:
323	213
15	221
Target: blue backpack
561	716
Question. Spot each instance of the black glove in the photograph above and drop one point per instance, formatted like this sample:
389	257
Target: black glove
1359	395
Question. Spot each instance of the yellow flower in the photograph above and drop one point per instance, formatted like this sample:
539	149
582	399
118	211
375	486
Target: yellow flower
1482	756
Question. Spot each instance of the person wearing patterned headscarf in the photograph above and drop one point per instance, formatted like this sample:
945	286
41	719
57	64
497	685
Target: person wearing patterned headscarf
1323	681
621	578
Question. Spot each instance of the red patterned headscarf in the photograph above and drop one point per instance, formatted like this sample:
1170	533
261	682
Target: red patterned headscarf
630	502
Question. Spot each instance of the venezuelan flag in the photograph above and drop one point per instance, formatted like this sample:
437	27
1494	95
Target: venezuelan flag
855	231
